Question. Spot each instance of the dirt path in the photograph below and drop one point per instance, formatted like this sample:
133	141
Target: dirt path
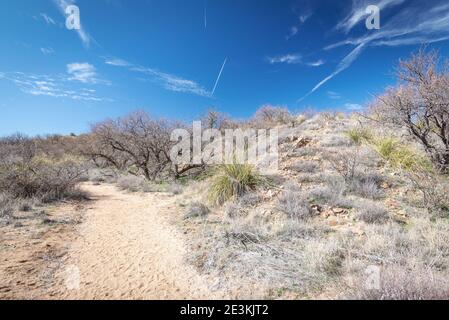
127	249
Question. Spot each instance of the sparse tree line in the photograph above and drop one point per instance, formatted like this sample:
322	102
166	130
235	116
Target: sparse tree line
140	145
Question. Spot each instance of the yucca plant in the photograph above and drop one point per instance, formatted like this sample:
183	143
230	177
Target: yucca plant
233	180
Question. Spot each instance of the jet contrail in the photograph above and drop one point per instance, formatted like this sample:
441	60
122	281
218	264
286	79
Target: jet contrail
205	14
219	76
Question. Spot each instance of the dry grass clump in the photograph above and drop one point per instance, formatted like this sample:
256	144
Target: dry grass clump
7	206
371	212
358	135
233	181
175	188
289	229
134	184
292	203
333	193
334	140
233	210
98	175
196	210
305	167
367	186
401	283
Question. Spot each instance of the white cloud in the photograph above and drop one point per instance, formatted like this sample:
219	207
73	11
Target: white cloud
47	50
57	86
168	81
358	12
116	62
295	29
417	24
47	19
293	32
82	72
315	63
353	107
287	58
333	95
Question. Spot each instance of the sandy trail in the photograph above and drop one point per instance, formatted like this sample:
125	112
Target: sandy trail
127	249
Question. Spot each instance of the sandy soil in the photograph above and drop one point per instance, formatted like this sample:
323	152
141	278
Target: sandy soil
126	248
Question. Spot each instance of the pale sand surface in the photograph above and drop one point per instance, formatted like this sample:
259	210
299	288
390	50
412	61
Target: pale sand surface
127	249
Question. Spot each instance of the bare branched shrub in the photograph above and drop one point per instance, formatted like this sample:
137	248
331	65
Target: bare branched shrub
291	203
7	206
346	163
367	186
137	144
333	193
41	176
214	119
421	104
371	212
272	115
434	190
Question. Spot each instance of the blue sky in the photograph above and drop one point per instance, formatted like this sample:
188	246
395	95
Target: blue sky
166	56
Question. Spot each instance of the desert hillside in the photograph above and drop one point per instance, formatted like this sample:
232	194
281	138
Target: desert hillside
356	207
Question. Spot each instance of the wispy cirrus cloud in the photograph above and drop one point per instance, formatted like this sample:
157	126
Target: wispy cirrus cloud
48	20
84	36
317	63
302	18
293	59
358	12
166	80
116	62
415	24
47	50
286	58
333	95
82	72
55	86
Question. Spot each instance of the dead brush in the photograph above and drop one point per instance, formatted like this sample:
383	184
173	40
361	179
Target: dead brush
291	203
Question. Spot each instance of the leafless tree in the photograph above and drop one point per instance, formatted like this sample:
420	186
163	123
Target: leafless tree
272	115
137	144
420	103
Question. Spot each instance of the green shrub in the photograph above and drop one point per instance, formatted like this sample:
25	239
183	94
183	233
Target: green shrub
233	180
400	155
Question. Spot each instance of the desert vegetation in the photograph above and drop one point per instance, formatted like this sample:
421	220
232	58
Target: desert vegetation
349	195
